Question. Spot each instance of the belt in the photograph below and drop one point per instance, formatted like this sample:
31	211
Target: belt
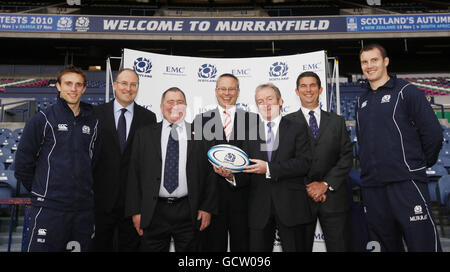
171	200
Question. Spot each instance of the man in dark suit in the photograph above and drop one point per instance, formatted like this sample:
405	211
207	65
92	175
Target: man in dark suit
226	124
168	194
331	164
281	158
119	120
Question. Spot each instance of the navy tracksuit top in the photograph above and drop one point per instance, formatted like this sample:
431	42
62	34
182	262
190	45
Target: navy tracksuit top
55	157
398	133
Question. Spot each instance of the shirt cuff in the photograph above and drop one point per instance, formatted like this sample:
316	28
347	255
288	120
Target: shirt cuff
329	187
267	171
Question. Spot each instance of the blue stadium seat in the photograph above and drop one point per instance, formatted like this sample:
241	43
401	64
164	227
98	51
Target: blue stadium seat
3	140
436	171
432	185
7	177
444	189
17	133
5	131
6	141
11	146
443	194
446	131
445	151
445	161
4	151
7	160
5	192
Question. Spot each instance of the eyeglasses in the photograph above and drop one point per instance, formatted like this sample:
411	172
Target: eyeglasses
124	84
223	89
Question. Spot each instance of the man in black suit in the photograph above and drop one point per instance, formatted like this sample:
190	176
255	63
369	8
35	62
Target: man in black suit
281	158
226	124
168	194
331	164
119	120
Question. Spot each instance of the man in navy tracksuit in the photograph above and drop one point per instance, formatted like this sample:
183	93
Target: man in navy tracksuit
399	137
54	162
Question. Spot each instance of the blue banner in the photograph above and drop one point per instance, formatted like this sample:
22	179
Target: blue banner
36	23
242	26
404	23
210	25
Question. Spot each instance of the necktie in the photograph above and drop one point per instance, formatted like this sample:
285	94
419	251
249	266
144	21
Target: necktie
171	163
269	140
313	124
227	125
122	130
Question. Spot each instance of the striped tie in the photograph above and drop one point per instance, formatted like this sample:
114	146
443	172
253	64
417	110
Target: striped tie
227	125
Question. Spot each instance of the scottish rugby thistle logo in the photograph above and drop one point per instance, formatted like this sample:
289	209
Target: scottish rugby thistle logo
207	71
64	24
82	24
143	66
278	69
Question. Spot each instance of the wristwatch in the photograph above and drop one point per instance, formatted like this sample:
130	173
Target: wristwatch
328	186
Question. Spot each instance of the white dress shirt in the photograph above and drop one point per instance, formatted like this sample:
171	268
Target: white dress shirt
128	114
182	189
317	113
231	111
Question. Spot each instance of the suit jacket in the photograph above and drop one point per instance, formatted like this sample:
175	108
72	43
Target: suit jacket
144	179
286	188
208	126
111	170
332	158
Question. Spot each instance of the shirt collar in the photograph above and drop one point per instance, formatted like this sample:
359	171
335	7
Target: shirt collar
118	107
276	121
306	111
166	123
231	109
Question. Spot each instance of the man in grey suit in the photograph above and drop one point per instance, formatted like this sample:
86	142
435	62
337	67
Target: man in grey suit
331	163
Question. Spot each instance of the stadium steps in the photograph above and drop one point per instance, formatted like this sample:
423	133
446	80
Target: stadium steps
16	242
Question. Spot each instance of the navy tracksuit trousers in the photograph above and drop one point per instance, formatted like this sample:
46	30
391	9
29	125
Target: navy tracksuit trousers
53	230
401	211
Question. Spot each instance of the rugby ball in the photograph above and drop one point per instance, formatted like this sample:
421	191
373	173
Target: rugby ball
229	157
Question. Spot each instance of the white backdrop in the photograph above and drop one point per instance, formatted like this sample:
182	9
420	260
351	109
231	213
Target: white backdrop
196	77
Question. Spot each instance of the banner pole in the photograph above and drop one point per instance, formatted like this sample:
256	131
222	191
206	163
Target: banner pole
108	71
338	92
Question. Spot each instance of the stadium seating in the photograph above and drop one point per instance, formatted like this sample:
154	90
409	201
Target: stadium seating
444	189
434	173
5	192
7	160
436	170
443	194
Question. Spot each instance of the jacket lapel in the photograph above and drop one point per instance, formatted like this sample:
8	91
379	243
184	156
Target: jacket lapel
324	119
133	126
190	138
157	139
279	138
301	117
111	123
